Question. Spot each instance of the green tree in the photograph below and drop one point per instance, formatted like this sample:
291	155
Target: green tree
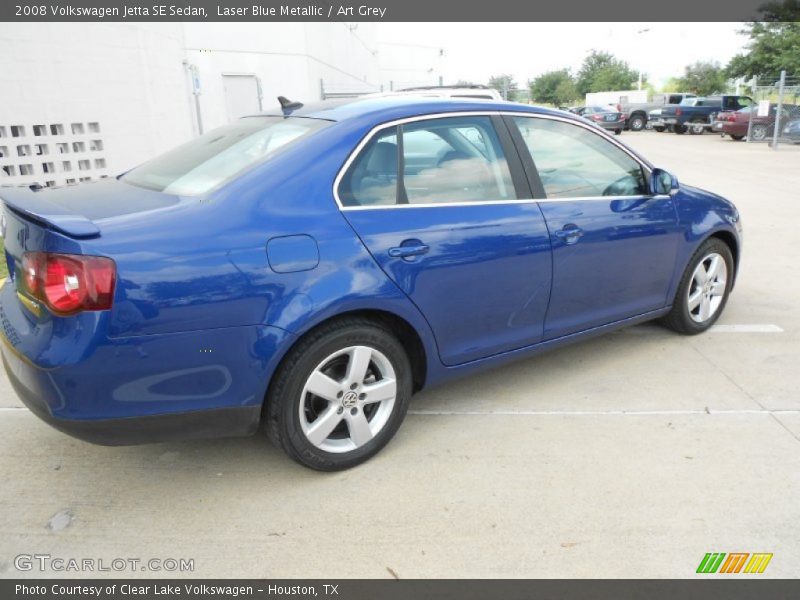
673	84
553	87
603	72
566	92
774	43
703	78
505	84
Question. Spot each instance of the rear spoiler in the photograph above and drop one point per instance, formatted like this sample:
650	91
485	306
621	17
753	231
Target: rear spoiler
35	207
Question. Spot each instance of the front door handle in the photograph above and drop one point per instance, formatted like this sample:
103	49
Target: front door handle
408	249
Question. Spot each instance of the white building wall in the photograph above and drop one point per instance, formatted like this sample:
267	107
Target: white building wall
407	64
125	78
127	87
289	59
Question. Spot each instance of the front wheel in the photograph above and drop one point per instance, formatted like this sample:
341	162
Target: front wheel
679	129
703	290
340	395
659	129
759	133
618	132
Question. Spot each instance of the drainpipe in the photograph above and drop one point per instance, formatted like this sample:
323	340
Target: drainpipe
195	79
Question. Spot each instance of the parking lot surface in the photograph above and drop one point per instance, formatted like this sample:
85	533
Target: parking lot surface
631	455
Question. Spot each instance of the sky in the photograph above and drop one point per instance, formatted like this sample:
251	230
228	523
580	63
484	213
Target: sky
476	51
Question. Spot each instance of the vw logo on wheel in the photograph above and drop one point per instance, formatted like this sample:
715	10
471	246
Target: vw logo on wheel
349	399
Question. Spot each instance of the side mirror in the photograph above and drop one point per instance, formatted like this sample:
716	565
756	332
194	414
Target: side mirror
662	183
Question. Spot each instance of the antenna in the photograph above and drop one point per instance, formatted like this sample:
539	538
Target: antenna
287	105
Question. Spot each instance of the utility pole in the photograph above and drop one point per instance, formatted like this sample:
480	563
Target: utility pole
777	131
752	108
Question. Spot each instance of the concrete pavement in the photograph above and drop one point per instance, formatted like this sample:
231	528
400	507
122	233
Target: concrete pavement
630	455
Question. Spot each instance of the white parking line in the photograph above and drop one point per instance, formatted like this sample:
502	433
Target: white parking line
755	328
727	328
563	413
581	413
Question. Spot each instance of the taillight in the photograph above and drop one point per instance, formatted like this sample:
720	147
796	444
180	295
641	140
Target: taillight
30	272
69	283
597	117
678	112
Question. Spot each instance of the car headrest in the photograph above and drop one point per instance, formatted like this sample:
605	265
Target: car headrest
383	158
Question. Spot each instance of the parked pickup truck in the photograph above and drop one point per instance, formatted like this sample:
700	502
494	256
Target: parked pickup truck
637	113
696	114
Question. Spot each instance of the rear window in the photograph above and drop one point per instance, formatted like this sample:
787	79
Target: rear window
219	155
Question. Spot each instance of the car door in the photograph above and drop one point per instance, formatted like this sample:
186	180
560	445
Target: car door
451	230
614	245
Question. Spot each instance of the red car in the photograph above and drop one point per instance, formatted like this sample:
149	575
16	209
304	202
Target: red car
735	123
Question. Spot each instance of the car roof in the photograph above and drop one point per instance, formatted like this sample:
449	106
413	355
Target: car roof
387	108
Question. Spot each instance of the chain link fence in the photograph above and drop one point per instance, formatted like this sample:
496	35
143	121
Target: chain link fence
773	117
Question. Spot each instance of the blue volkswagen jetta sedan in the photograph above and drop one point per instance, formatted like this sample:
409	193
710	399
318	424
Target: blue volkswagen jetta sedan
310	270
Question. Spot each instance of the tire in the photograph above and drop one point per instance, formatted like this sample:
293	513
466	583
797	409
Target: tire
689	320
356	427
759	133
659	129
679	129
738	138
697	128
637	123
618	132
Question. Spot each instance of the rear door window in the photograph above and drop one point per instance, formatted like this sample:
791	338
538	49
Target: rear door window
443	160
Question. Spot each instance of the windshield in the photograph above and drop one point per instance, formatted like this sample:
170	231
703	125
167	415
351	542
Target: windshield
217	156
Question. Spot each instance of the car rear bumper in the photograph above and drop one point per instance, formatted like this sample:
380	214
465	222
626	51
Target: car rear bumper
611	125
729	128
116	391
210	423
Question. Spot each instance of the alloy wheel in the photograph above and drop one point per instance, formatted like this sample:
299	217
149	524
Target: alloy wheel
348	399
759	133
707	288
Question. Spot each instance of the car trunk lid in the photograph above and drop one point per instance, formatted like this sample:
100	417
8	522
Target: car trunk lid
47	213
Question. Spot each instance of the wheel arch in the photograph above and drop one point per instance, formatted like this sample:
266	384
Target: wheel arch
405	332
733	244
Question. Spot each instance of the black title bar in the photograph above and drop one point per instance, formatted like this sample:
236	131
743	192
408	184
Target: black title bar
378	10
702	588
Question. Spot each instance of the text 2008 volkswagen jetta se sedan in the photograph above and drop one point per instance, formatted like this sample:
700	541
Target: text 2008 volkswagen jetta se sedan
312	269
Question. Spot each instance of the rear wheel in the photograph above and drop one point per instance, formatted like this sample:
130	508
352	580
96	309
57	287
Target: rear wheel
736	137
659	129
340	395
697	127
679	129
618	132
703	290
636	123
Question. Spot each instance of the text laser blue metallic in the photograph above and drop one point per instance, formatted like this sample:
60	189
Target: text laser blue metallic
309	270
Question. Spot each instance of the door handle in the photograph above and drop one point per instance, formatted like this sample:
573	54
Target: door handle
409	250
569	231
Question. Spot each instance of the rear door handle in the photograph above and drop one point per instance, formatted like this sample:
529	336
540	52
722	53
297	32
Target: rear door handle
409	250
569	232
